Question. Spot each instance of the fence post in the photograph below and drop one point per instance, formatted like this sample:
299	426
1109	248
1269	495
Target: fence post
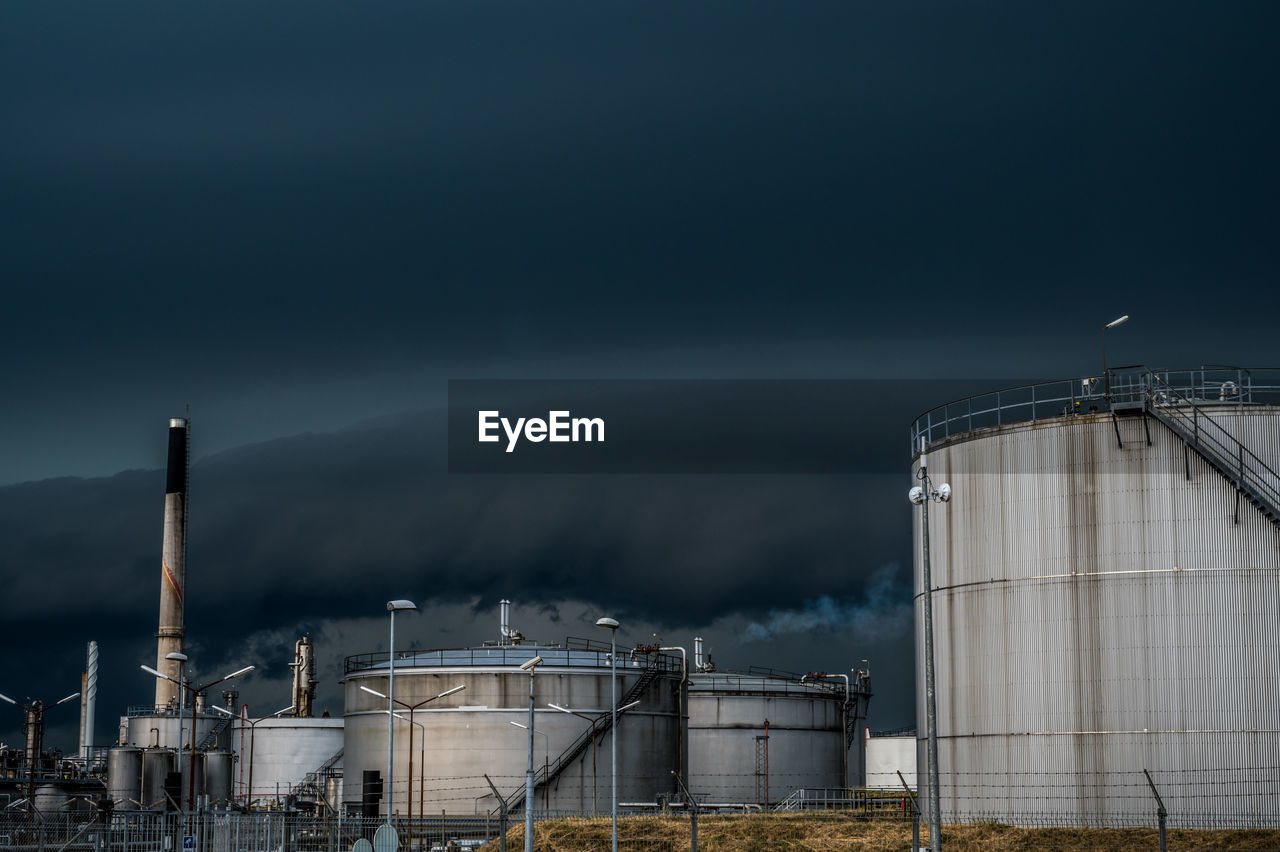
1161	813
915	815
502	816
693	813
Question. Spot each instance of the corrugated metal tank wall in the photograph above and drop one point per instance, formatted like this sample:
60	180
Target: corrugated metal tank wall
1098	613
470	734
727	713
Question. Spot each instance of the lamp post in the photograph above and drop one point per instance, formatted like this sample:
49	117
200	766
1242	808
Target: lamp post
194	694
593	720
423	762
392	607
529	666
411	708
546	764
181	659
1106	376
611	624
243	716
922	495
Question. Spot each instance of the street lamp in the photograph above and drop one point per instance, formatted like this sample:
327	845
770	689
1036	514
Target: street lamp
253	727
195	693
593	720
181	659
611	624
411	708
922	495
1106	376
529	666
546	764
392	607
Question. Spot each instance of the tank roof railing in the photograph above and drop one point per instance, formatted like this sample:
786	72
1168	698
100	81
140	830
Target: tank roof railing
1210	384
571	653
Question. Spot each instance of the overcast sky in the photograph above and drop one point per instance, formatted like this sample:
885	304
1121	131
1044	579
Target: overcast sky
302	219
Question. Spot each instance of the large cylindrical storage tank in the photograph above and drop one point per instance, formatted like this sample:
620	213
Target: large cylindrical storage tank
157	763
1103	604
730	761
470	733
279	754
167	730
124	777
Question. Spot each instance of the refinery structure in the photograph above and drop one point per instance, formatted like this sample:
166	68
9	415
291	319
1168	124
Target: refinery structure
1105	592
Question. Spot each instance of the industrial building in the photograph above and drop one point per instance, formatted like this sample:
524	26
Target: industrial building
1106	595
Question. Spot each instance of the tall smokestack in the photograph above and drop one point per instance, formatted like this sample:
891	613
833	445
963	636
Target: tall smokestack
173	564
89	700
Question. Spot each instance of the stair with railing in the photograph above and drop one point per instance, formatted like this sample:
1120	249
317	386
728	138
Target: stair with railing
1254	480
546	774
209	739
313	783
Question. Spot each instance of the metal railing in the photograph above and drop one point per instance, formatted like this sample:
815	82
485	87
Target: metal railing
1066	397
588	655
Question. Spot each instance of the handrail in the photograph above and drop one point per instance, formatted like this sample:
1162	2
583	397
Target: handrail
1082	395
1233	459
587	656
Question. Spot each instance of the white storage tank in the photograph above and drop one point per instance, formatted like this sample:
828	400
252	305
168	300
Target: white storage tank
278	754
1106	599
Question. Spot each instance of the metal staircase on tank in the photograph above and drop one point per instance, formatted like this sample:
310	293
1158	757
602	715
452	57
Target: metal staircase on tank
313	784
209	739
1255	482
545	775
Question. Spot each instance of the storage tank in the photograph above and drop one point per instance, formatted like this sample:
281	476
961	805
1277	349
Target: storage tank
218	773
157	763
278	754
1106	598
50	799
469	734
756	737
124	777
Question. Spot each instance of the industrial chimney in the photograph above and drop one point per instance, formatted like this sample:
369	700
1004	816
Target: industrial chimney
173	564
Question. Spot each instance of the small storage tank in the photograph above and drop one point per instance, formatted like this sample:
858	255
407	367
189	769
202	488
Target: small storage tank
157	763
279	754
124	777
50	799
757	737
218	769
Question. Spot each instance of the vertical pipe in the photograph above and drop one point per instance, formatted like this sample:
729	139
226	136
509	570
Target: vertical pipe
173	563
504	621
697	653
84	699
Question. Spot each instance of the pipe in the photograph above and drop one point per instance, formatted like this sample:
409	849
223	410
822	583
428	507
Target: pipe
304	677
682	735
697	653
173	562
504	622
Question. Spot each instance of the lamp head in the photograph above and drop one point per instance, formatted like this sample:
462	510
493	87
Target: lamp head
528	665
398	606
611	623
1118	321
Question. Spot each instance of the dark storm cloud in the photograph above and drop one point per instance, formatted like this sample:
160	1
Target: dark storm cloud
291	533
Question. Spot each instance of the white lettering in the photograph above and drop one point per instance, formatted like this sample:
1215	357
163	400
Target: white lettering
558	428
487	425
513	435
587	423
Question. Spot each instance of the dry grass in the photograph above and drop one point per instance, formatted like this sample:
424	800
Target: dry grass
821	832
